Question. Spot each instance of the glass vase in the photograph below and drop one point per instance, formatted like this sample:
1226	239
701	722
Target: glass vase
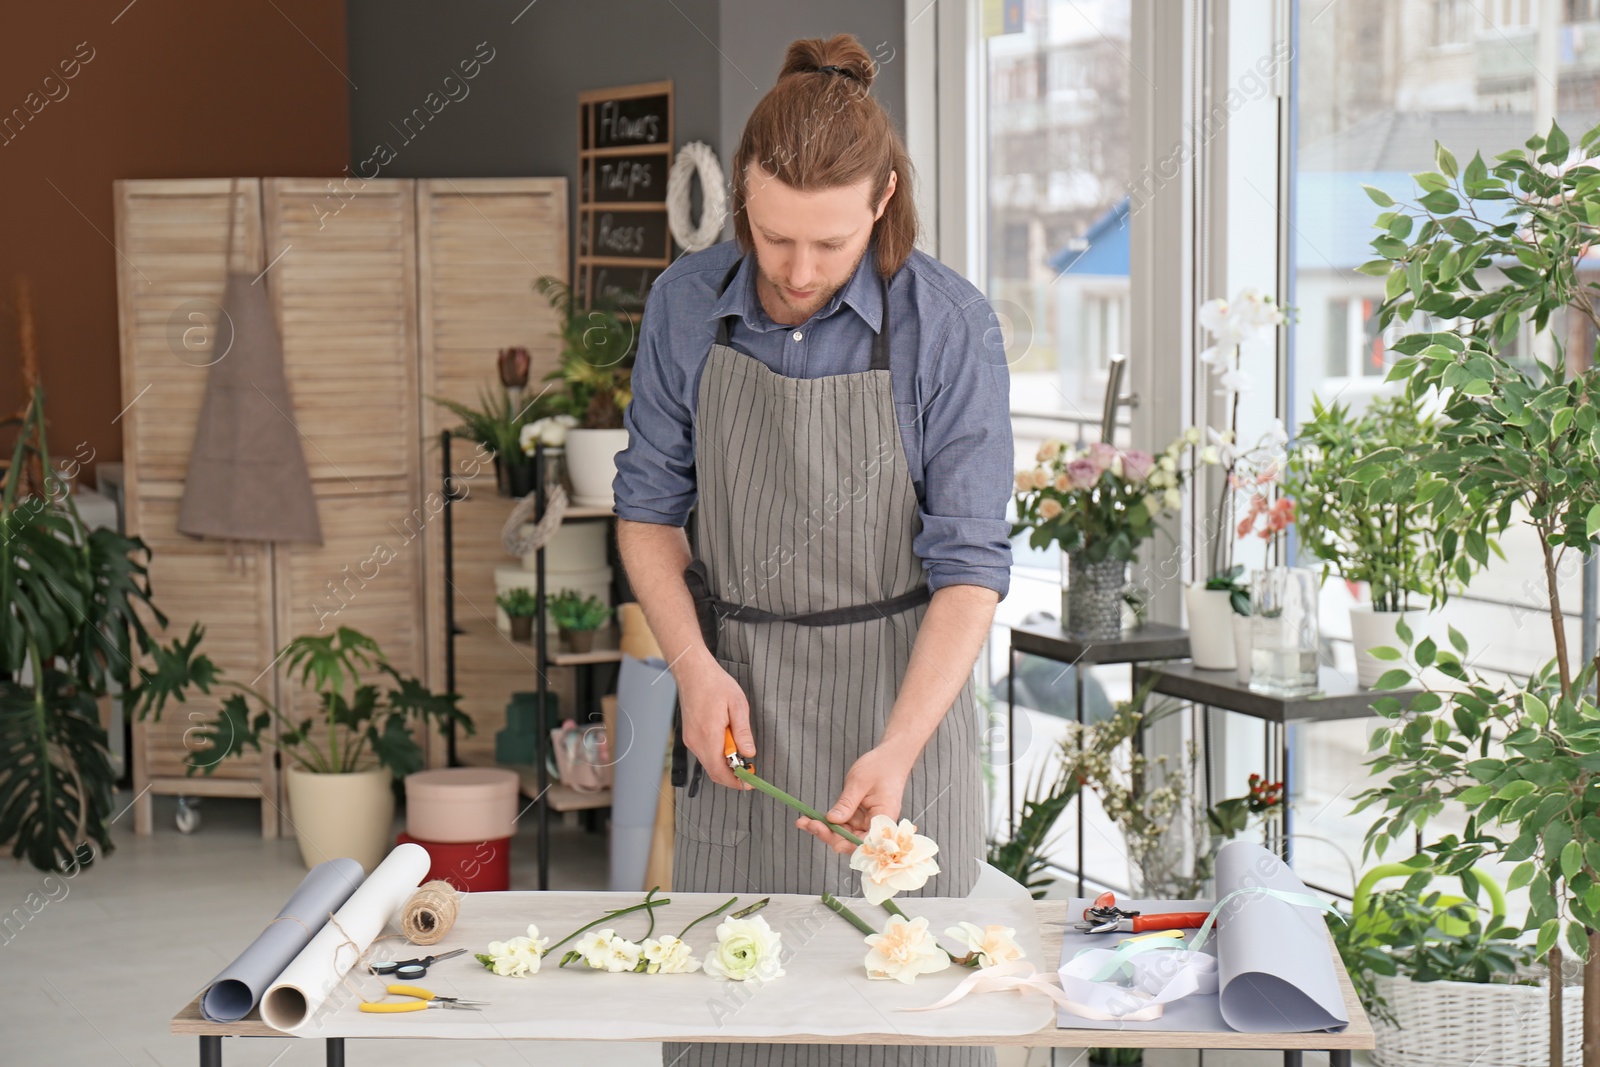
1092	596
1284	643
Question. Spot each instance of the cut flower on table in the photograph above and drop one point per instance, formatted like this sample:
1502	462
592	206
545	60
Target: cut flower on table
516	958
987	946
904	950
746	949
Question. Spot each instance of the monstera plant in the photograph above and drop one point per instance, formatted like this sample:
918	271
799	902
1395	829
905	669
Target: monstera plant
73	605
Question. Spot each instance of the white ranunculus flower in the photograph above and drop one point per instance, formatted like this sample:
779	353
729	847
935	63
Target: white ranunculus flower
893	857
991	944
668	955
904	950
746	949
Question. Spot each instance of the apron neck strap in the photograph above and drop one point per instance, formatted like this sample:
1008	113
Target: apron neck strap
880	343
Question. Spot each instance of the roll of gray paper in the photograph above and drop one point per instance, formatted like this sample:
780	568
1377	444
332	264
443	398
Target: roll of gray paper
239	987
646	695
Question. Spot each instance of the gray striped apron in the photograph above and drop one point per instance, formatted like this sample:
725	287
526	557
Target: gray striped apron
811	595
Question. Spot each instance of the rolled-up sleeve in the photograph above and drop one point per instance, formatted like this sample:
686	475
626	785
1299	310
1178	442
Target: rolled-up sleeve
967	457
655	479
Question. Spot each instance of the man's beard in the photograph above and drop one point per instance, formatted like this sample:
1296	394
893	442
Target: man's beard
817	302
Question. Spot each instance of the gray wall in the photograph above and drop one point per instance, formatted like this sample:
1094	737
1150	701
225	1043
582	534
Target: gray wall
519	115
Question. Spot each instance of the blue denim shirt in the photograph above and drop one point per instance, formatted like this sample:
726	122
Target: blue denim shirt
952	399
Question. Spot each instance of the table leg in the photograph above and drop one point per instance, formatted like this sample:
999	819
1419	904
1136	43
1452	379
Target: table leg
1077	687
1287	784
1292	1058
1011	740
1338	1057
335	1052
211	1051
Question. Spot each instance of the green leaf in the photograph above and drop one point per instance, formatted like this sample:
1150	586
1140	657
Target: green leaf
1549	931
1578	940
1384	652
1395	679
1378	196
1521	875
1571	859
1591	525
1514	790
1476	387
1536	709
1425	652
1458	642
1444	160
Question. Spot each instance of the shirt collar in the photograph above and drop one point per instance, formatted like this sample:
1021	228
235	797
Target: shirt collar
862	292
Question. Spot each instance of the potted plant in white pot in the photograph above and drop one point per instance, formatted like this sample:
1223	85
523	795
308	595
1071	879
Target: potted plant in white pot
1518	442
341	763
1212	603
597	349
578	617
1363	504
1099	504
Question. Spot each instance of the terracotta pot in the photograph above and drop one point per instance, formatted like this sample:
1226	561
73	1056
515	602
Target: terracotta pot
580	640
522	628
1210	627
338	815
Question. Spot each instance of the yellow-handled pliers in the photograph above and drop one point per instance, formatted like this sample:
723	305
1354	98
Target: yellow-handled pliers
425	999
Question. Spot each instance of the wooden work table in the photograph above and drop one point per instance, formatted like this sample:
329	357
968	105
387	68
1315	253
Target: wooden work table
1052	922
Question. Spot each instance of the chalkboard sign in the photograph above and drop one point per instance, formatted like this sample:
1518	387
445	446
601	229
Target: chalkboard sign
630	179
624	155
638	120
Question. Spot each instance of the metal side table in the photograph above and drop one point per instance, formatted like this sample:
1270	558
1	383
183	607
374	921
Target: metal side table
1153	641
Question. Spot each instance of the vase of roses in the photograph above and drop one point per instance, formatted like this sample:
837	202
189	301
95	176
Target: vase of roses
1099	504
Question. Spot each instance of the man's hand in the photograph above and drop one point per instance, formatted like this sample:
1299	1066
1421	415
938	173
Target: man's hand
875	786
712	703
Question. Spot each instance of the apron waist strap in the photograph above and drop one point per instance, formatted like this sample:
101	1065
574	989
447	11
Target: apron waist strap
710	609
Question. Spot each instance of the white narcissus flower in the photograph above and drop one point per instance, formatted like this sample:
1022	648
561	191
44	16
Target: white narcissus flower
746	949
668	955
904	950
991	944
893	857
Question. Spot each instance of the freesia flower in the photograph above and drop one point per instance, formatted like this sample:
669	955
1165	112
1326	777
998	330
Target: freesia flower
904	950
746	949
550	431
1049	451
1049	508
893	857
668	955
1082	473
1136	465
990	944
619	955
594	946
517	957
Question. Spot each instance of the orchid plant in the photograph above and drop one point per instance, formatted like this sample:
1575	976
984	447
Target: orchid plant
1235	325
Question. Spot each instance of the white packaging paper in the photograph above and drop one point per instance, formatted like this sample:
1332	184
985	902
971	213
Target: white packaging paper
318	971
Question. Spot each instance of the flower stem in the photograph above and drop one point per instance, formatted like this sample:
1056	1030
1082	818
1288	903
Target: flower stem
837	906
731	901
651	912
894	909
798	805
648	903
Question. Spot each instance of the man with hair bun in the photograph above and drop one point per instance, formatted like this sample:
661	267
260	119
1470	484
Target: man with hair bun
832	404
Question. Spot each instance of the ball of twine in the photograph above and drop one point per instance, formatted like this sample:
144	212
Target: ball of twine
430	913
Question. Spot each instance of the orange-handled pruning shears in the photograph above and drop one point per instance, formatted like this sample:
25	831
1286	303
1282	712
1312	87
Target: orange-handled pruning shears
1104	917
730	752
424	999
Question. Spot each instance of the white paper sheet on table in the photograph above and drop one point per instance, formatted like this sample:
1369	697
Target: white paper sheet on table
1275	962
824	992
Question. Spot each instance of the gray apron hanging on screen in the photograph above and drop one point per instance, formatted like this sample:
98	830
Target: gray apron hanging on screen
247	478
811	596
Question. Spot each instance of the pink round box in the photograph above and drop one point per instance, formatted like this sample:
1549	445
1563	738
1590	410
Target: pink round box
461	804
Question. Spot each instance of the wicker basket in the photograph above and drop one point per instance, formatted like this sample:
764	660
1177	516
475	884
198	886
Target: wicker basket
1451	1024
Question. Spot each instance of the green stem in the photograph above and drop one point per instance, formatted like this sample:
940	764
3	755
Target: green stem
651	912
731	901
837	907
894	909
803	808
608	916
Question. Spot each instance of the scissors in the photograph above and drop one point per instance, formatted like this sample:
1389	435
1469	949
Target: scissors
424	999
410	969
1104	917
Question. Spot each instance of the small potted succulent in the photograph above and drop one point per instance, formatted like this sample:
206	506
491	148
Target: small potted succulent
520	606
578	617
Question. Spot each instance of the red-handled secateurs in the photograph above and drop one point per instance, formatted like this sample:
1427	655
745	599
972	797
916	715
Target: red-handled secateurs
1104	917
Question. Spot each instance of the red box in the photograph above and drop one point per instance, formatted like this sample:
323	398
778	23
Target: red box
472	867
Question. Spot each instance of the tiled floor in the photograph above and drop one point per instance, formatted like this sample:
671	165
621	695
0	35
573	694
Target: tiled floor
102	960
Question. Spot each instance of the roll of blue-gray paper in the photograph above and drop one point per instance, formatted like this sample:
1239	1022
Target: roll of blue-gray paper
239	987
646	694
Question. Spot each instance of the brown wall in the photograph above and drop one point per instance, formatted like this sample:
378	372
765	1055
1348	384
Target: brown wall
171	89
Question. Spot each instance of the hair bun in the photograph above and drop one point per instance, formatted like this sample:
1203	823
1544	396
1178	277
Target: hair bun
843	55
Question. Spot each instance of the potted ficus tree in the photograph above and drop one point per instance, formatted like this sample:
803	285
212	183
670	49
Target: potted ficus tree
597	349
1518	442
1364	508
341	762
